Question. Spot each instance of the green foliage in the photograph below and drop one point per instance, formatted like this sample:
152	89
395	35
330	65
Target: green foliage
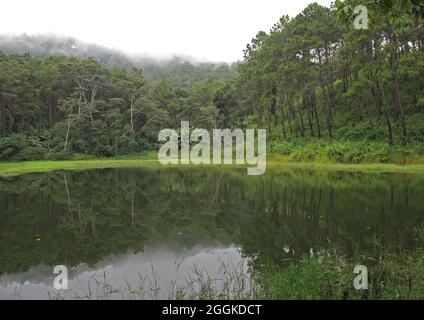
346	151
79	106
18	147
322	89
330	276
179	71
315	77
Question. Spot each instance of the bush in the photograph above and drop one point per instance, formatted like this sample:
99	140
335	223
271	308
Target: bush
62	155
30	153
18	147
105	151
282	148
344	151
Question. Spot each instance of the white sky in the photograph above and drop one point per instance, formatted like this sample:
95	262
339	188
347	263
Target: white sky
216	30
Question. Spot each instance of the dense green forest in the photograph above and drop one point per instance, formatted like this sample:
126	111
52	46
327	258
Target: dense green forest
322	88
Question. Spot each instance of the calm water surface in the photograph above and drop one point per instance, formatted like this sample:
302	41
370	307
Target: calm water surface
123	232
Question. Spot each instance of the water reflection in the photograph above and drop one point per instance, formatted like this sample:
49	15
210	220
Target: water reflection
83	217
156	273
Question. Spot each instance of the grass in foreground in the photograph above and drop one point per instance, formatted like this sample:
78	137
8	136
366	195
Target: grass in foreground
331	277
320	277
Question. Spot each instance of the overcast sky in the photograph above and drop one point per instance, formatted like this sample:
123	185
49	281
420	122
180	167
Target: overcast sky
216	30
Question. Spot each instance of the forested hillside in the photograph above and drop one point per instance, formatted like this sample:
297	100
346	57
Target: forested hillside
322	88
178	70
51	107
317	77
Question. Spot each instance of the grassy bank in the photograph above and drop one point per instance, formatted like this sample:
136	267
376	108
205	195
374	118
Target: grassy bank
346	152
325	277
275	164
370	156
331	277
16	168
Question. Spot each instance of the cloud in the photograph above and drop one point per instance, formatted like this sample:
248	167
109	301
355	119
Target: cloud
216	30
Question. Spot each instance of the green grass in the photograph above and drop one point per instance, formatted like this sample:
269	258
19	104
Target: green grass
331	277
282	164
276	164
16	168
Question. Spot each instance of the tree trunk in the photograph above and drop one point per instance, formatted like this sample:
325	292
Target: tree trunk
302	126
67	132
289	118
280	106
313	99
326	102
389	125
307	107
1	114
397	100
132	115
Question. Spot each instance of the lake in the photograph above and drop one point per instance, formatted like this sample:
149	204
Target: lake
147	233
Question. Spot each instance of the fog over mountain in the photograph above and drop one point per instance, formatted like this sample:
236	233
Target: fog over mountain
154	69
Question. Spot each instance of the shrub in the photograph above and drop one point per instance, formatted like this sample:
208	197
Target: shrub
18	147
62	155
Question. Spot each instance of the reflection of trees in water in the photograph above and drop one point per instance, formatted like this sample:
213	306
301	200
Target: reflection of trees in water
83	216
354	217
